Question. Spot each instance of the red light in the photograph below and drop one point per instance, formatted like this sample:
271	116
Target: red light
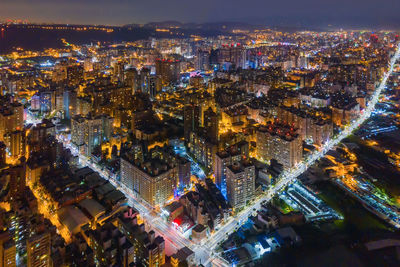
177	222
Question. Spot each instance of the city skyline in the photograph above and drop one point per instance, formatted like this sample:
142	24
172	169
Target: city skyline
206	144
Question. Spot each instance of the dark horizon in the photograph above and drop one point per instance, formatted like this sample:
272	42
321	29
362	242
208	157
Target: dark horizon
307	13
279	24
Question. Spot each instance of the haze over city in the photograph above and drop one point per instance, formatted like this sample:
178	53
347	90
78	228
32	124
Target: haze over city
311	13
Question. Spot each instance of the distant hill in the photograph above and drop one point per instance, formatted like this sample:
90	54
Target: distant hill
214	26
36	37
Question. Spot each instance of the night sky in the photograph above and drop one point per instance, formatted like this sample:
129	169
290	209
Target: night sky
283	12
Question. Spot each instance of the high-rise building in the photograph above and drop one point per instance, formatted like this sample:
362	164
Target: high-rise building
47	101
169	70
131	79
156	250
184	171
8	251
119	72
222	160
16	144
40	131
344	114
234	55
191	119
88	64
311	127
202	60
194	114
107	252
89	132
39	249
60	72
83	106
3	153
149	249
15	176
74	75
227	157
153	179
321	131
302	61
196	80
201	129
145	80
202	149
281	142
77	131
35	103
12	131
141	112
18	117
211	124
11	117
69	103
240	183
155	86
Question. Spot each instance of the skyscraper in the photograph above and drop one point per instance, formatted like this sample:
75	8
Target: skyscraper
89	132
11	117
281	142
16	176
69	105
211	124
191	119
8	250
145	80
131	79
202	60
39	249
240	183
148	248
233	54
153	180
118	72
169	70
16	144
184	171
223	159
